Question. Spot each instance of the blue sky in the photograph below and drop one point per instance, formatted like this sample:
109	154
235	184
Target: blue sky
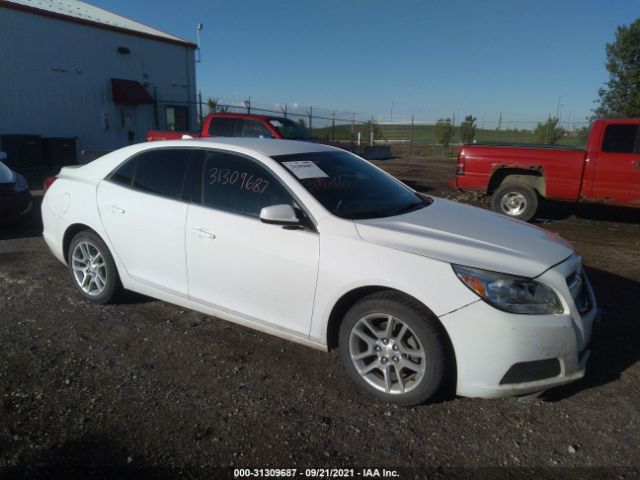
430	58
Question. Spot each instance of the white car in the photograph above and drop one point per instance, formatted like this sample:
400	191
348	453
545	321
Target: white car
316	245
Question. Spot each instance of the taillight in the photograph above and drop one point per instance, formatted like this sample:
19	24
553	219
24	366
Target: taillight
48	182
460	165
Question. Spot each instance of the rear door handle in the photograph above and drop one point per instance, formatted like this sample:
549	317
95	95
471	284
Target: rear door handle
115	209
201	232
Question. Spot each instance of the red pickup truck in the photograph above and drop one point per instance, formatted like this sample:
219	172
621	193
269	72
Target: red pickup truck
517	177
240	125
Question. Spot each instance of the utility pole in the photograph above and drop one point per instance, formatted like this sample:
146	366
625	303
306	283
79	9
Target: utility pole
247	103
499	126
558	108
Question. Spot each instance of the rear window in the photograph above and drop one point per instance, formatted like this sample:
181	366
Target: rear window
223	127
161	172
620	139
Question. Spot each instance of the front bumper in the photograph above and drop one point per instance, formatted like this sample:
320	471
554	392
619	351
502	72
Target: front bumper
544	350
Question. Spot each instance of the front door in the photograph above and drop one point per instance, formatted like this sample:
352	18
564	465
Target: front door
615	168
236	263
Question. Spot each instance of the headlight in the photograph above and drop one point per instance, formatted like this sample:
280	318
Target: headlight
510	293
20	185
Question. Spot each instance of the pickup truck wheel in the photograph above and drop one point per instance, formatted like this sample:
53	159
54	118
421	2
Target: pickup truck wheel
393	349
515	200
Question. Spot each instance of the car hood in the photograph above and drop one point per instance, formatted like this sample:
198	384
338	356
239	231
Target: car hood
6	174
469	236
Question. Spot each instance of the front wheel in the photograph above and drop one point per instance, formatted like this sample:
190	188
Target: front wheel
393	349
515	200
92	268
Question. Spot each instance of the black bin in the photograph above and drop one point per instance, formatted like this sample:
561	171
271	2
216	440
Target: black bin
23	151
59	151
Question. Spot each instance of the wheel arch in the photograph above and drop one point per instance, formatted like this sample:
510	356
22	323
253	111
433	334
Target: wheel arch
533	177
71	231
346	301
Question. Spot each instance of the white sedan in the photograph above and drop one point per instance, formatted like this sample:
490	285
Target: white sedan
316	245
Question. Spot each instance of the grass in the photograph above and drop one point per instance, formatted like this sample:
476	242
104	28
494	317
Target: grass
425	134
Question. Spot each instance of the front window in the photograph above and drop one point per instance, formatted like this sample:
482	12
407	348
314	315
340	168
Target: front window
350	187
239	185
290	130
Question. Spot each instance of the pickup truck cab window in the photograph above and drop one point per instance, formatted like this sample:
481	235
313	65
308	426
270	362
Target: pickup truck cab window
223	127
239	185
350	187
620	139
254	129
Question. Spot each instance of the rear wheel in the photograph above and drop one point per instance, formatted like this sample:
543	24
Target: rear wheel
516	200
92	268
393	348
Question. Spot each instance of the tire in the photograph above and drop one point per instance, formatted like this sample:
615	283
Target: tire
515	200
92	268
415	331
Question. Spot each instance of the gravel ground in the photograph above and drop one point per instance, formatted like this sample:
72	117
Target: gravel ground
144	389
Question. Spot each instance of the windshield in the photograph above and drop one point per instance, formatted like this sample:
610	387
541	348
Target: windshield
290	130
350	187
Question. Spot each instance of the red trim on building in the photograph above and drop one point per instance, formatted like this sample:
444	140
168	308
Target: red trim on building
82	21
129	92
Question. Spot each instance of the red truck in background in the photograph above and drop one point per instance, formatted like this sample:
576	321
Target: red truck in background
240	125
517	177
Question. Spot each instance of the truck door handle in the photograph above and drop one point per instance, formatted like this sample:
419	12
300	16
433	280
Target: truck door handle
115	209
201	232
636	164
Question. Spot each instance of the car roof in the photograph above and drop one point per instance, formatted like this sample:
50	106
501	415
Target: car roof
267	146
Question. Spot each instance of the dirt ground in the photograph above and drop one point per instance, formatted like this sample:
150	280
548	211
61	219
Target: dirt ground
144	389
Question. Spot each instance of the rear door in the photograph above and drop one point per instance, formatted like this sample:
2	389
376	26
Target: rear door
143	212
616	165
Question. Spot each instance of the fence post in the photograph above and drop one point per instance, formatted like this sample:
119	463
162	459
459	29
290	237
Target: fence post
411	138
371	132
310	112
247	103
499	125
200	107
155	106
353	128
333	127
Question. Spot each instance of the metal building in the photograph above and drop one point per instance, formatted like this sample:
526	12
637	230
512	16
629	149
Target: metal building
70	69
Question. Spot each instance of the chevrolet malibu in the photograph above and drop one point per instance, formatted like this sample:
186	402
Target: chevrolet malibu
316	245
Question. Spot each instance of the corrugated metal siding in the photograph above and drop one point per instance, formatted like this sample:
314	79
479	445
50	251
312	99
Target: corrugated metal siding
55	79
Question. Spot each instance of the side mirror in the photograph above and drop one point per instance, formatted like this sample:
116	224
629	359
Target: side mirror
279	215
3	156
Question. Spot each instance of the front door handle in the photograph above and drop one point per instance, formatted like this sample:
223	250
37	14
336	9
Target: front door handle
201	232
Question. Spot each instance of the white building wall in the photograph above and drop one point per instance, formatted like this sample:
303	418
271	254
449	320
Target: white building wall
55	80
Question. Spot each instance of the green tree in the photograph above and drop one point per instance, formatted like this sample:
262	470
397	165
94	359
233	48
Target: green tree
468	129
443	131
620	98
215	106
548	133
